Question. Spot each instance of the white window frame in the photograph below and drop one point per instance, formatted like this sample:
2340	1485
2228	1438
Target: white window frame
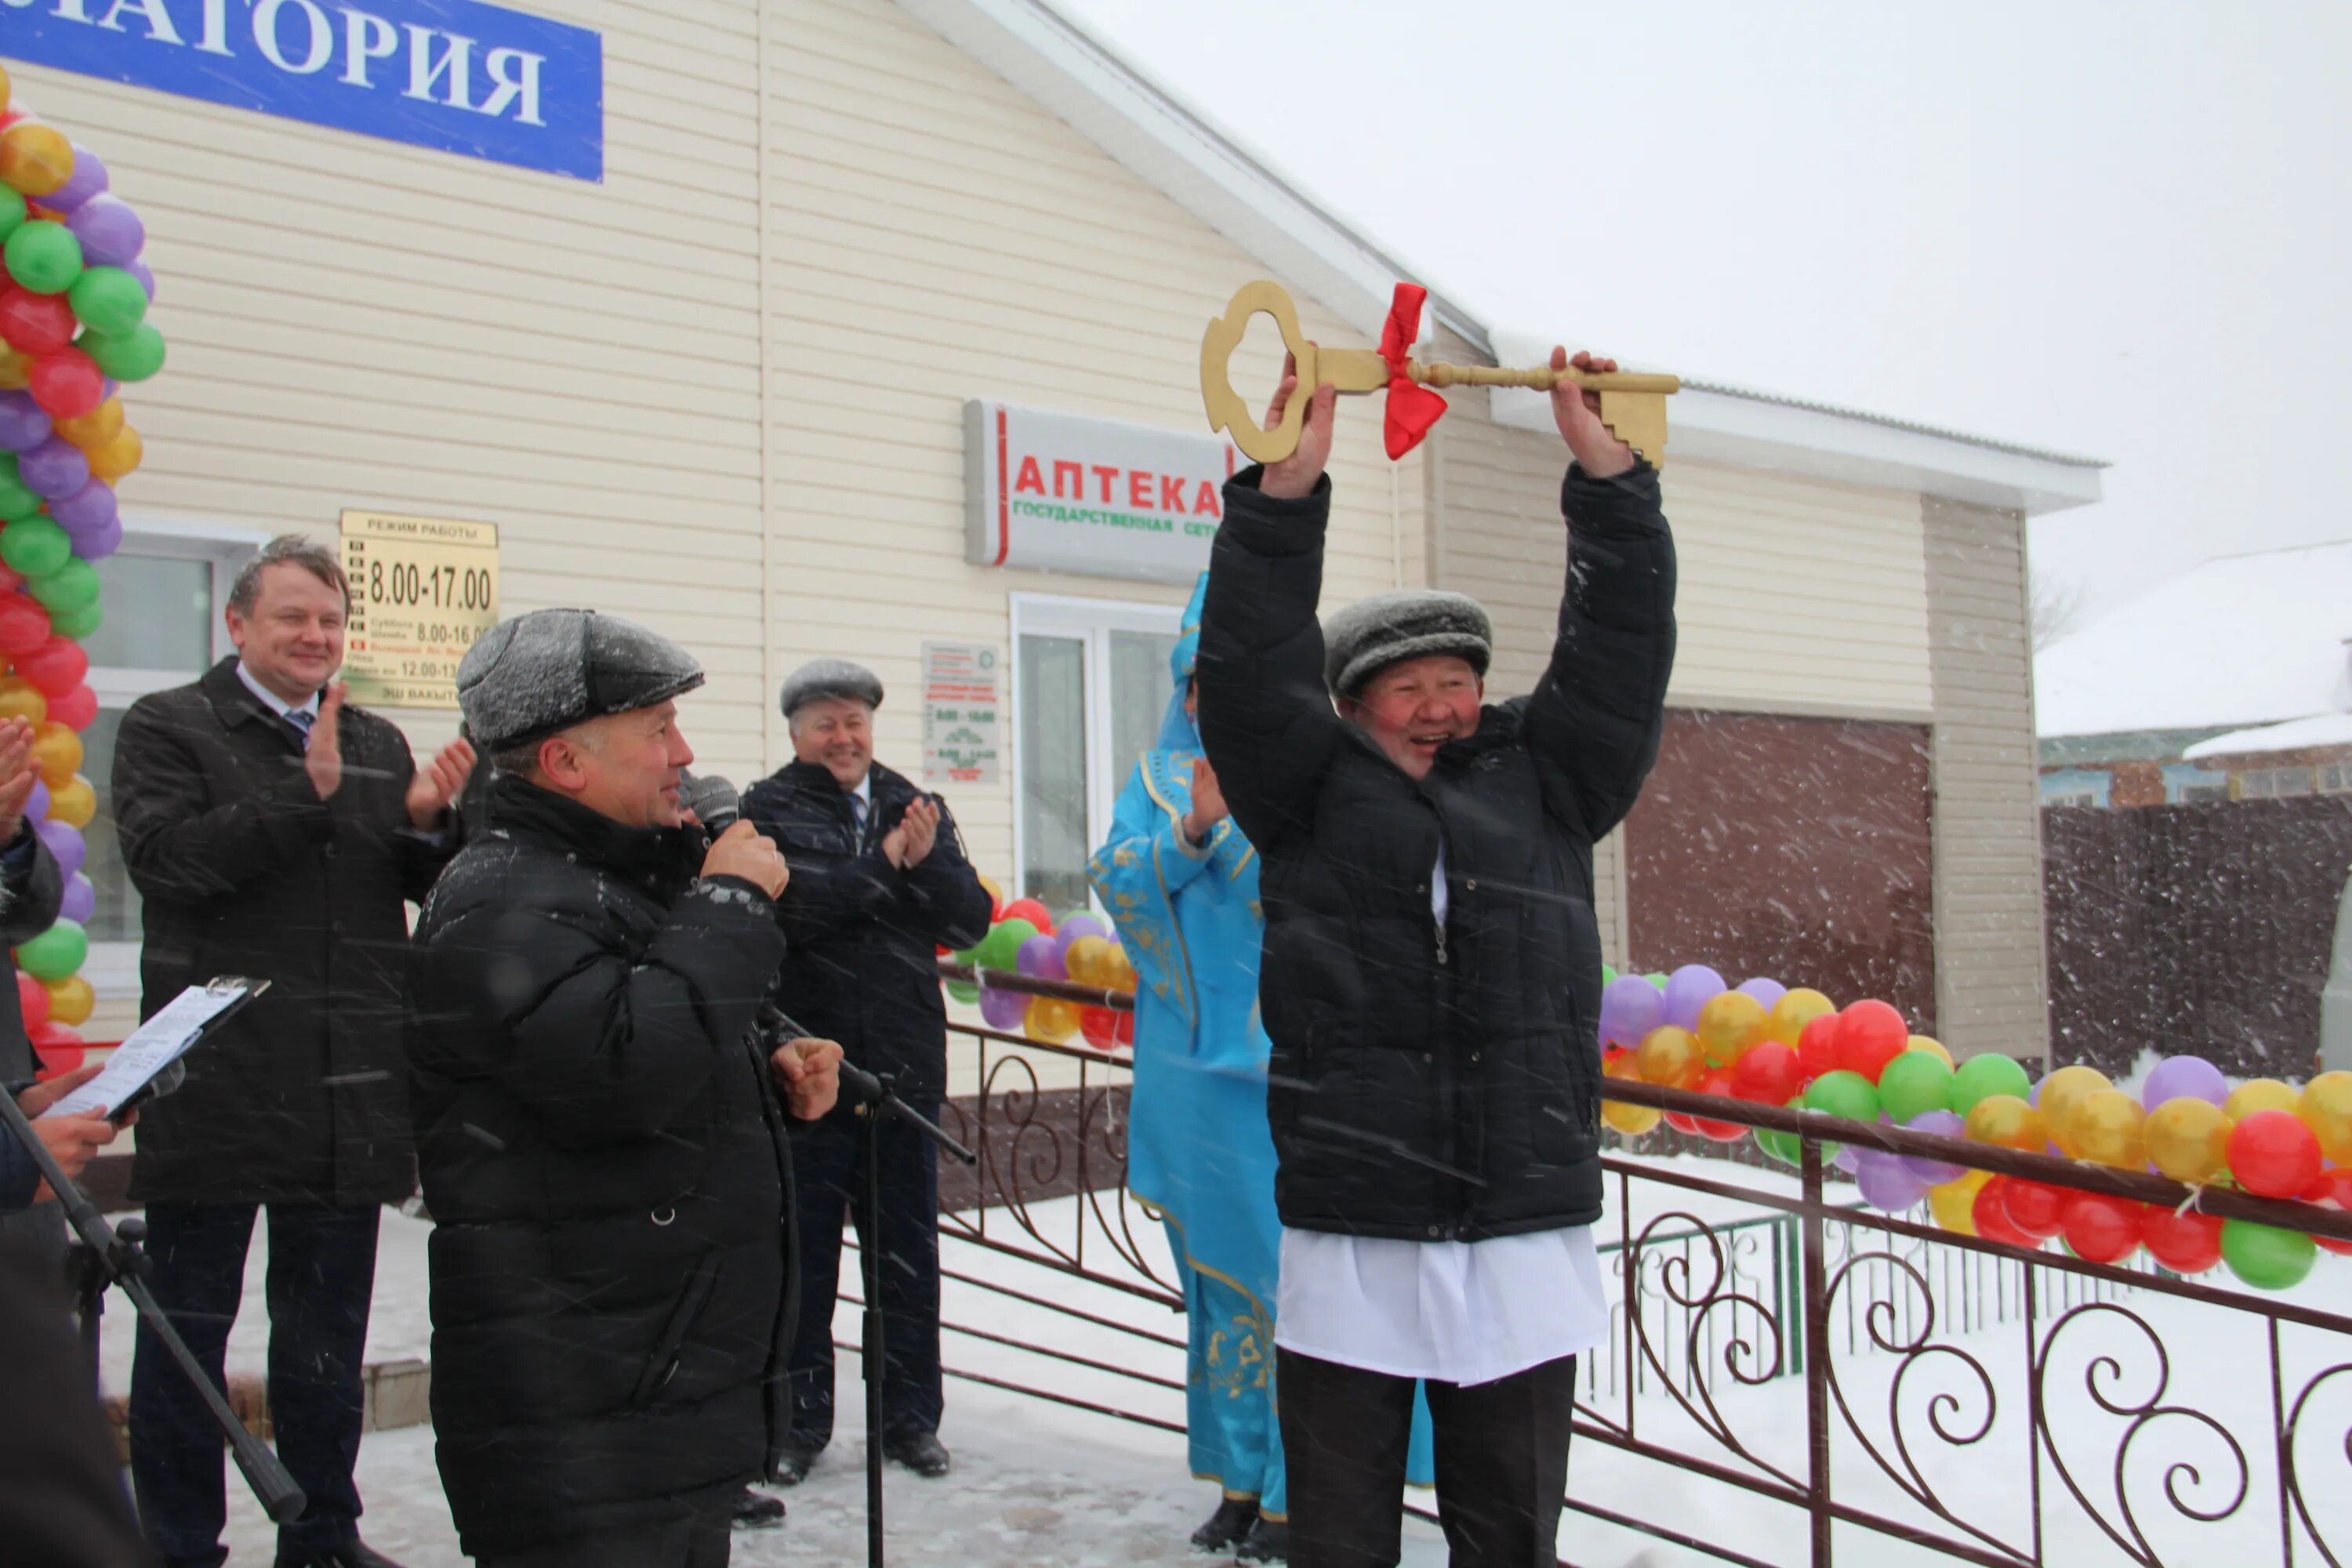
2072	797
1092	622
112	967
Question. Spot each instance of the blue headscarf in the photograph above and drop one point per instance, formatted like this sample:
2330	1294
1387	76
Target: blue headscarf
1177	733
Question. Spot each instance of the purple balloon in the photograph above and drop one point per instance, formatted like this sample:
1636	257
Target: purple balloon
54	467
1630	1009
1040	959
2184	1077
84	509
1688	989
80	899
1935	1172
1075	926
36	805
97	543
1002	1009
146	276
23	425
1887	1182
88	180
1768	991
1846	1157
65	846
111	234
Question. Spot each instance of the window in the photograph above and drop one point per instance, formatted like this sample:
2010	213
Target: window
2205	794
2336	778
2274	784
164	593
1090	687
2071	797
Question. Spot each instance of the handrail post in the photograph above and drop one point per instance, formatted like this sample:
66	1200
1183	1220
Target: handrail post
1817	1356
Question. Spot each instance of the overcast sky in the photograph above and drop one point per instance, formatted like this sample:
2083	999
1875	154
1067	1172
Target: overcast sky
2109	227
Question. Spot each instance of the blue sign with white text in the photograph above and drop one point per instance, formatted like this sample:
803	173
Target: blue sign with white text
454	74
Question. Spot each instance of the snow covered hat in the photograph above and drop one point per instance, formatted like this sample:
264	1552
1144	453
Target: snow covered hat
532	675
831	677
1370	635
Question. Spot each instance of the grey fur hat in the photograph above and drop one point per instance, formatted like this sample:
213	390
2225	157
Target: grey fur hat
831	677
1370	635
532	675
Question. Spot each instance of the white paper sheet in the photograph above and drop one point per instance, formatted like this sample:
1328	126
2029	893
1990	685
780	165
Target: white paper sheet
153	1047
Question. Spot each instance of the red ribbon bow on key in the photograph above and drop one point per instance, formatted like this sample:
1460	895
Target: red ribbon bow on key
1412	408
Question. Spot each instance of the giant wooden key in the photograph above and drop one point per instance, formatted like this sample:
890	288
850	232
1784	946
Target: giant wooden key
1634	405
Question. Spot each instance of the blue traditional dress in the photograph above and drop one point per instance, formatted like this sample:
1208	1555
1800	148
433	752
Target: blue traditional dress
1199	1148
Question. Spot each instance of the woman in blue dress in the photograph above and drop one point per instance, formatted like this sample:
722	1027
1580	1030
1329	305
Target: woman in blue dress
1180	883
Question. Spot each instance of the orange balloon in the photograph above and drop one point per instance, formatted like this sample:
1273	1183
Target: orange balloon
2005	1121
1671	1056
95	428
117	456
1051	1019
34	158
2062	1091
1118	969
73	802
16	370
3	90
57	752
1088	961
20	699
1633	1121
1954	1204
2110	1128
1933	1048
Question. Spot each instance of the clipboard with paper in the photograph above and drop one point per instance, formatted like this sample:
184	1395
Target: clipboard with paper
155	1047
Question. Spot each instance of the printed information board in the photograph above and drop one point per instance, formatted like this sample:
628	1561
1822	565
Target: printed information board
423	589
962	718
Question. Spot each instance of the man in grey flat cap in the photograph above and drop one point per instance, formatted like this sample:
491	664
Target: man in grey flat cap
880	884
601	1121
1431	983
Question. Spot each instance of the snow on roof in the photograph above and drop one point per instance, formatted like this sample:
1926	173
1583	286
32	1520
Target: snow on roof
2242	640
2296	735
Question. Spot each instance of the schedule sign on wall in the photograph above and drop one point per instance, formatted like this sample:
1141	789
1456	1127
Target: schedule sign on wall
963	741
423	589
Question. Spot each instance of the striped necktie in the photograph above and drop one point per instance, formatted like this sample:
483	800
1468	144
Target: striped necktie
302	719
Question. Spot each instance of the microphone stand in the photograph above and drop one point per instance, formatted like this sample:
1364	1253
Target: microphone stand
111	1256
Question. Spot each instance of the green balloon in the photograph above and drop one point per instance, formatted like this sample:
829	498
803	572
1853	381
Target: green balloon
16	498
77	624
1913	1084
57	952
12	211
2265	1256
34	547
1980	1077
963	991
72	586
107	300
1608	977
132	357
1657	980
44	256
1001	947
1844	1093
1786	1147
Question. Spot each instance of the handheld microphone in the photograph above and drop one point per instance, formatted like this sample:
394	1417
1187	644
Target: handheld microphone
712	799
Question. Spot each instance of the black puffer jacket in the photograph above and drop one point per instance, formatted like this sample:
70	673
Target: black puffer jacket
1434	1083
865	937
604	1156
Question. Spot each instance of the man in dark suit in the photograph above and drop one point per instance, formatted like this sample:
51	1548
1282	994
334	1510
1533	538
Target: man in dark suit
274	832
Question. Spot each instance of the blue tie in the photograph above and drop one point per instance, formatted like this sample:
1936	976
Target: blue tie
302	719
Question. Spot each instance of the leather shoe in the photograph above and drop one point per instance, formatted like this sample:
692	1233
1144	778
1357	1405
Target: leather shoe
798	1458
351	1554
1268	1542
920	1452
757	1511
1228	1527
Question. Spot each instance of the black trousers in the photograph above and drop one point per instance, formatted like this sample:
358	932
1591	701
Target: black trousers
322	1275
699	1536
829	1178
1502	1463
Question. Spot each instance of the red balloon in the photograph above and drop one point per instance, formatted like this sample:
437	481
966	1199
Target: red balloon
2274	1153
2187	1243
23	625
2332	1191
1099	1025
33	999
76	710
1869	1035
1991	1212
1684	1124
1817	1046
1033	911
56	1061
67	384
2099	1229
10	579
1717	1082
1769	1073
2034	1207
35	324
50	1035
56	667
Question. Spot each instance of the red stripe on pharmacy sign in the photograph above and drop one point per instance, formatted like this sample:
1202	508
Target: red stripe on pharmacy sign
1055	491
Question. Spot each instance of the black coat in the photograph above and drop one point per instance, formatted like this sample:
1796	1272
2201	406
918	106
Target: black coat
29	897
245	870
604	1156
1434	1082
862	966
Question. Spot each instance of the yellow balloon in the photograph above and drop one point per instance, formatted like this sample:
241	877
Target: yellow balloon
1088	961
2326	1109
1933	1048
2110	1128
70	1000
1954	1204
16	370
34	158
1118	969
2062	1091
2005	1121
1633	1121
1051	1019
1729	1025
117	456
57	752
993	890
1671	1056
20	699
73	802
95	428
2256	1094
1793	1011
2189	1138
3	90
